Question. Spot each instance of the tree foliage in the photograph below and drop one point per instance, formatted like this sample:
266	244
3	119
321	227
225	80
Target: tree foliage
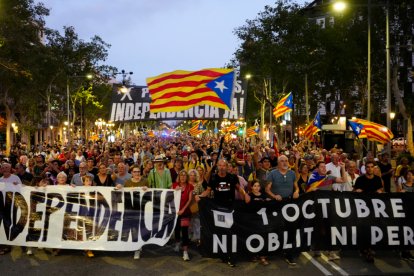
37	64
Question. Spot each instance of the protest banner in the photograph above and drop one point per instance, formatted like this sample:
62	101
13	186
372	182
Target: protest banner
320	220
95	218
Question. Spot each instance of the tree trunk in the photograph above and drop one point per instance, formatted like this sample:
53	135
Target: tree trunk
262	119
8	127
410	144
402	108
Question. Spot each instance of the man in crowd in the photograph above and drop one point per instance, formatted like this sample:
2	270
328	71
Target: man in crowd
122	176
281	184
224	186
368	183
334	168
321	180
77	178
386	171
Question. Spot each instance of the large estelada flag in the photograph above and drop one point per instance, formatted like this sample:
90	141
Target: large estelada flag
371	131
284	105
313	127
180	90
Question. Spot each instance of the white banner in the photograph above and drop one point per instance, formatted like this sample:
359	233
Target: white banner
95	218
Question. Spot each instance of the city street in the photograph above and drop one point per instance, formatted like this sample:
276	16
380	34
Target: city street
164	261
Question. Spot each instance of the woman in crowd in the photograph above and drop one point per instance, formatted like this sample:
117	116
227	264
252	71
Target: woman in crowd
302	176
87	181
406	183
255	195
401	180
194	180
103	178
184	214
137	180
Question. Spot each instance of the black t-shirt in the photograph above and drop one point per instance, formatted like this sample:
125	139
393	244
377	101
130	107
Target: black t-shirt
368	185
385	168
273	162
261	197
224	187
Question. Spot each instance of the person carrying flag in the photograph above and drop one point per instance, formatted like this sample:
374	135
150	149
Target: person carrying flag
321	180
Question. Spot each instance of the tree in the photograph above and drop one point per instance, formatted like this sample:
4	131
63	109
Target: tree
21	22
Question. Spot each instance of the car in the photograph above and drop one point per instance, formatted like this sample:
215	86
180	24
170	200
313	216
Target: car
400	141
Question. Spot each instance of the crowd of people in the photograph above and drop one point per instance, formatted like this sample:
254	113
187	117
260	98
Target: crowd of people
244	171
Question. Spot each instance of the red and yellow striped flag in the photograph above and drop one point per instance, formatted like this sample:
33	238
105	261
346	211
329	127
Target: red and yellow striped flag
374	132
198	127
252	131
231	128
180	90
284	105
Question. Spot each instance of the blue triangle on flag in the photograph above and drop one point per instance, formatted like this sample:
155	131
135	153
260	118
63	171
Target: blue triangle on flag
223	86
356	127
289	101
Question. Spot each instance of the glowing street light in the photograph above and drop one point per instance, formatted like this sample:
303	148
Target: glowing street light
339	6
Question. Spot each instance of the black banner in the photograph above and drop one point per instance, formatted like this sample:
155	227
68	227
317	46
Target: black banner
130	104
320	220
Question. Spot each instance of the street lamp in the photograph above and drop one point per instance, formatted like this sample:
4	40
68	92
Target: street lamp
340	6
124	75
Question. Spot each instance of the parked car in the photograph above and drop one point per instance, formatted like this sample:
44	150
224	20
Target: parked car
400	141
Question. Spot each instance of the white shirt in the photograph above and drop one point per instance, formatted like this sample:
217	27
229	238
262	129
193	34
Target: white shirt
335	171
13	179
349	182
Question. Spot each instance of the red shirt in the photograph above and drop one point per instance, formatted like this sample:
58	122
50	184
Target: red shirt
185	196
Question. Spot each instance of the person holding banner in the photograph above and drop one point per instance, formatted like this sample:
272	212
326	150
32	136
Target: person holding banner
159	177
8	177
224	185
184	214
368	183
281	184
256	195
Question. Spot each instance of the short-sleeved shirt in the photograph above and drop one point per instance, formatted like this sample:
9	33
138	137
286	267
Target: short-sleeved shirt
77	179
368	185
282	185
122	179
224	187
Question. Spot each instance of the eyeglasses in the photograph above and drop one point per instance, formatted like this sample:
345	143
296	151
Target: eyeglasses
136	171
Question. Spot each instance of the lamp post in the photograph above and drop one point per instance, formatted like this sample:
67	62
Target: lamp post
342	4
124	75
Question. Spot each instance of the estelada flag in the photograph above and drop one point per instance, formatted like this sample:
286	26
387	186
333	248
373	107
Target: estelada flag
198	127
284	105
231	127
252	131
373	131
180	90
316	181
313	127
